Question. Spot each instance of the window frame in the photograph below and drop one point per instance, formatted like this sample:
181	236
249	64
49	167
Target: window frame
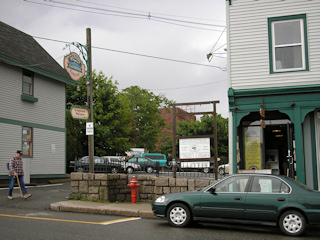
304	43
31	85
24	128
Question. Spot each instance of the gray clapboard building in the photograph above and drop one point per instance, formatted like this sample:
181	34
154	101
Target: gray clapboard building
32	113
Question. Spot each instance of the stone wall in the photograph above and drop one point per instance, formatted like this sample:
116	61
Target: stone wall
113	187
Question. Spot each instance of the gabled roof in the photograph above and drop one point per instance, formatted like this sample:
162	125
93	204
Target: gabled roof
20	49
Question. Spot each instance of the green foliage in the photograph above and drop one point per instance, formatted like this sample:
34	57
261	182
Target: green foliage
144	106
112	119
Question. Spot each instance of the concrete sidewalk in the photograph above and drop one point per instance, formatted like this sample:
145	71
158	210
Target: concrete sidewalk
143	210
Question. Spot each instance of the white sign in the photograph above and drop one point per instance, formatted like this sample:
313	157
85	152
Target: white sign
194	148
89	128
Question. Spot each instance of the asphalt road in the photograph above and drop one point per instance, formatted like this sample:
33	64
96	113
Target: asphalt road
32	219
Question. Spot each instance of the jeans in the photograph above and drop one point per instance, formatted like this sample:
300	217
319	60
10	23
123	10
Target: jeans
12	182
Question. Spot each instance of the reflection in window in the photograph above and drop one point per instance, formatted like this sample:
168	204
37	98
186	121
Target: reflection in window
234	184
27	141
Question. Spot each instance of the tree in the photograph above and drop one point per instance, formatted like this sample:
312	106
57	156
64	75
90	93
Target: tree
112	118
144	106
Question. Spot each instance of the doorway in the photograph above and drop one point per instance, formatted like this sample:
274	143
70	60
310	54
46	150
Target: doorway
275	141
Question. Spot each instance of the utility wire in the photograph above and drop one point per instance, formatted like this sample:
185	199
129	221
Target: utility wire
116	13
170	15
138	54
198	85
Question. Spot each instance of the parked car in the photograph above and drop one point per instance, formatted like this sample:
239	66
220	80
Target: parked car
156	157
102	165
146	164
251	197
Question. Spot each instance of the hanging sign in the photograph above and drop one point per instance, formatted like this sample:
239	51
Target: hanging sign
79	113
74	66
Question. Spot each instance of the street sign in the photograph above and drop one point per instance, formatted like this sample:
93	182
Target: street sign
89	128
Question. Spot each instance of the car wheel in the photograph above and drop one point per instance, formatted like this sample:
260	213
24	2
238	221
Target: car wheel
179	215
292	223
114	170
222	171
129	170
149	169
80	169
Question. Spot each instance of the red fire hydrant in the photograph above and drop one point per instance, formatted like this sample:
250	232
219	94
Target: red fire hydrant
133	185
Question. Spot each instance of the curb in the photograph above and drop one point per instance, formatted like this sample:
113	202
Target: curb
125	209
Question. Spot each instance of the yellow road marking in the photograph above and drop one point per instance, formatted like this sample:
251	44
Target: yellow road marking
119	220
72	221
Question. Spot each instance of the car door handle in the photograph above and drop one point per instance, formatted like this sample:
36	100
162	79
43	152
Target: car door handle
281	199
238	198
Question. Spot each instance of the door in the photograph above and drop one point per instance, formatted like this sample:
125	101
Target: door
226	199
266	196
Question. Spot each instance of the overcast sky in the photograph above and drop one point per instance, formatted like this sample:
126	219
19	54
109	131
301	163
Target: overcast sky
182	30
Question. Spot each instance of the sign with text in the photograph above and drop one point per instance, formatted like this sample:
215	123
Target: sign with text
74	66
89	128
79	113
194	148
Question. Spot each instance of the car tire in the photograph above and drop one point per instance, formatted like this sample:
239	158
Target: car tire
179	215
114	170
80	169
149	169
292	223
130	170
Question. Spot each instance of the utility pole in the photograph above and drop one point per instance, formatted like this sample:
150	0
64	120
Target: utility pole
89	102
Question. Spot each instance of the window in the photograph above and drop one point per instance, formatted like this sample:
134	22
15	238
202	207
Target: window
27	83
27	139
233	184
269	185
288	48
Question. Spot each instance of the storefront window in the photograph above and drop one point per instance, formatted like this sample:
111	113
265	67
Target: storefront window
252	139
27	141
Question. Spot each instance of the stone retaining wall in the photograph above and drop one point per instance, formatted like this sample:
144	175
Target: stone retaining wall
113	187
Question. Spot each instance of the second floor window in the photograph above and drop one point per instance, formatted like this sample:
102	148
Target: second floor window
27	83
288	44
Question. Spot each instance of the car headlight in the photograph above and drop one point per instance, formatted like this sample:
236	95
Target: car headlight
161	199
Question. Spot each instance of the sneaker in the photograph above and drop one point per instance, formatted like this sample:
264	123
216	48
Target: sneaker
10	197
27	195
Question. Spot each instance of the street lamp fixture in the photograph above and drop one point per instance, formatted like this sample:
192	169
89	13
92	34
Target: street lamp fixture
209	56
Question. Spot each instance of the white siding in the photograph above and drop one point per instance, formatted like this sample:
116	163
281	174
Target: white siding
45	160
10	142
248	47
48	112
50	108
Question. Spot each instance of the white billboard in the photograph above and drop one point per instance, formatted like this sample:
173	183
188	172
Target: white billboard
194	148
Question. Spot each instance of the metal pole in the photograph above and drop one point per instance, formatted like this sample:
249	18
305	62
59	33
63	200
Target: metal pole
215	127
89	100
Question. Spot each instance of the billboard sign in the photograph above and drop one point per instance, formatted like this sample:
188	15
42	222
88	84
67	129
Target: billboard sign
194	148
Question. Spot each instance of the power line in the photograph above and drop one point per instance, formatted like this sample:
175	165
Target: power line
147	12
121	13
138	54
198	85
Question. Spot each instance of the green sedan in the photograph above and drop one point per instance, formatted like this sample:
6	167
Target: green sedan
252	197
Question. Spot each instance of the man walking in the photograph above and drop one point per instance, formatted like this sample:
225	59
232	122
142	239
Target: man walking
16	171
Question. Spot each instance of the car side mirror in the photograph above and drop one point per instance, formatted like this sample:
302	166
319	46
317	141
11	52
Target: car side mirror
212	190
